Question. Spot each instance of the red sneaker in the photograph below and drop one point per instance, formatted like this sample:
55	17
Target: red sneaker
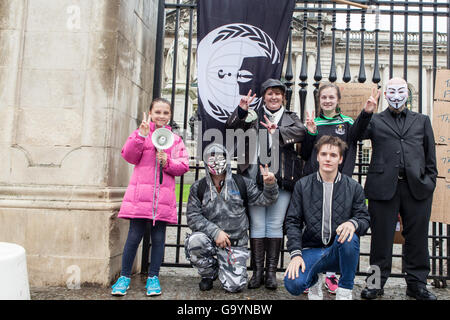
331	283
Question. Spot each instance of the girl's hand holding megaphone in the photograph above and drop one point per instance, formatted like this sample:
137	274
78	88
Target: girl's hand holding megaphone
161	155
144	128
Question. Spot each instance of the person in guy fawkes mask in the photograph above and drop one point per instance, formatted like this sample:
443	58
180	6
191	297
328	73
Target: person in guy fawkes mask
401	178
217	215
281	130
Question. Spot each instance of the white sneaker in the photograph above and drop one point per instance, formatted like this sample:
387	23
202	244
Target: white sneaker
344	294
315	292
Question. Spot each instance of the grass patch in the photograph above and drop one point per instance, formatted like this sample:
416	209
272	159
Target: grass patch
186	189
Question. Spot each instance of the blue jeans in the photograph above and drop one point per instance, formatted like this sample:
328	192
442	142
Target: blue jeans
267	222
135	235
339	257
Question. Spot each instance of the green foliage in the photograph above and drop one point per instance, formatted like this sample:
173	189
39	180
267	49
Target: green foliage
186	188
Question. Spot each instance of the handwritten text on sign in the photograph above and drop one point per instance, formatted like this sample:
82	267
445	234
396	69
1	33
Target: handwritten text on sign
441	122
443	161
442	86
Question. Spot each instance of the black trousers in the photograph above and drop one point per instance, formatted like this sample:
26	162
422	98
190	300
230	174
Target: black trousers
415	217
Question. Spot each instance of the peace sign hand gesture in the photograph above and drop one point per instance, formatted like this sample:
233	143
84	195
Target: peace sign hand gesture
144	128
268	177
372	102
270	126
247	100
310	124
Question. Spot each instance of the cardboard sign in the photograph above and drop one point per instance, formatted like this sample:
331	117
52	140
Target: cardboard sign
442	85
398	237
443	161
439	209
354	97
441	122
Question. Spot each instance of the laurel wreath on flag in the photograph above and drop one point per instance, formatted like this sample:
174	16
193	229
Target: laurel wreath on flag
223	114
254	34
219	112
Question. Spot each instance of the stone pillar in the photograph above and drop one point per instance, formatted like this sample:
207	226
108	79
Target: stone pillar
74	80
425	86
430	90
297	62
310	104
339	72
384	80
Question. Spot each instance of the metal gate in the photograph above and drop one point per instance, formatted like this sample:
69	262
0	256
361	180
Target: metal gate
317	21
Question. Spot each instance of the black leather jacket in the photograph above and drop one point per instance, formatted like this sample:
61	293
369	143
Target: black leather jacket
304	221
290	131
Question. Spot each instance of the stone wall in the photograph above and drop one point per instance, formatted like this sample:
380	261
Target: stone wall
74	77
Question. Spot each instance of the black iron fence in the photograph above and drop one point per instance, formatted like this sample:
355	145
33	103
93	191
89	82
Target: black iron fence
311	18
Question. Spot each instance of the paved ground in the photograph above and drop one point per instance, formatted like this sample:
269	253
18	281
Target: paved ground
182	284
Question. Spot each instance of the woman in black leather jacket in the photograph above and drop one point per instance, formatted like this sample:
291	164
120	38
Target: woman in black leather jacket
277	130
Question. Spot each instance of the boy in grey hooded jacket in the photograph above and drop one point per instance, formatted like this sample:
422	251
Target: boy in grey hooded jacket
220	223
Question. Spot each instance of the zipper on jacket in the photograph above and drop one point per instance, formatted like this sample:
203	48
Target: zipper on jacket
292	171
155	201
331	212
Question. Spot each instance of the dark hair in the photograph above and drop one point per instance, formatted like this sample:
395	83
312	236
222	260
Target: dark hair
277	90
326	85
160	100
334	141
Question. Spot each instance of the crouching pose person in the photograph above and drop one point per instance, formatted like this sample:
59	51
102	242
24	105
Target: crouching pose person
217	215
325	219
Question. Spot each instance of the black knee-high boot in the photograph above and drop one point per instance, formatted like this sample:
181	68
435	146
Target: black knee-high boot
273	247
257	253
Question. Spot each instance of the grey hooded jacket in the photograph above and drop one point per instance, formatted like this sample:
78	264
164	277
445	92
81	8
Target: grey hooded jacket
225	211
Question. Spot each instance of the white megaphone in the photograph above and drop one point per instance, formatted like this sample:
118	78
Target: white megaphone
162	139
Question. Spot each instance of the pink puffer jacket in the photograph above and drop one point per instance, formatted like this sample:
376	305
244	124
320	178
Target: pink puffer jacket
138	200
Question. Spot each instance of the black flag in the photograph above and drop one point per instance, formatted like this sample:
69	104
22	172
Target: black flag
241	43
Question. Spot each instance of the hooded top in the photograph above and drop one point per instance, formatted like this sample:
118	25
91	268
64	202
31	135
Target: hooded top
225	210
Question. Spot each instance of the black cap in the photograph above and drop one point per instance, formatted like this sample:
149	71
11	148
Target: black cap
272	83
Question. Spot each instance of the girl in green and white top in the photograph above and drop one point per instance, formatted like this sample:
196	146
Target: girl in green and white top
333	123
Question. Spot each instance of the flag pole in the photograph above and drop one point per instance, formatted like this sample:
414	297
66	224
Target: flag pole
351	3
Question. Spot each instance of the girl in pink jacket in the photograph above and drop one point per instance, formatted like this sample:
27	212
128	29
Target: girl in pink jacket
146	200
